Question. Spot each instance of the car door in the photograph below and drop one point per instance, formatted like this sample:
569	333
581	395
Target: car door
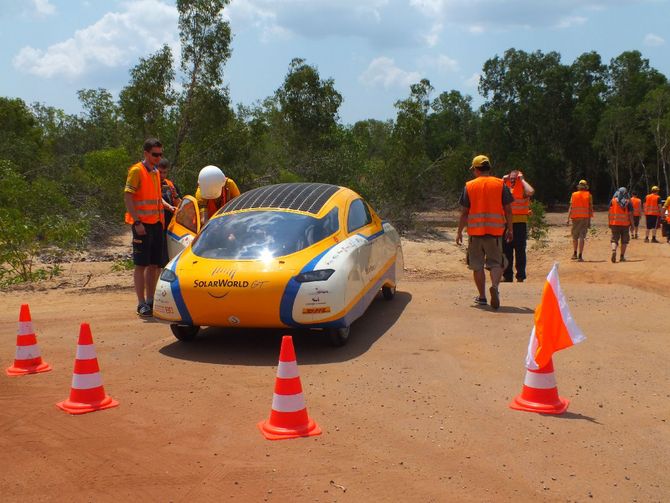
360	222
184	226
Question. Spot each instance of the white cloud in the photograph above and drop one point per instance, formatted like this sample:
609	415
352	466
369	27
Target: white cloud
472	82
43	8
117	39
442	63
383	72
653	40
476	16
381	22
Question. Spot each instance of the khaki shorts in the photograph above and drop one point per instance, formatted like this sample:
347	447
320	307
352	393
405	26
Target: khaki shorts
620	232
580	227
485	251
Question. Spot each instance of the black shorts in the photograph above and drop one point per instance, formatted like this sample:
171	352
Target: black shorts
148	249
651	221
636	221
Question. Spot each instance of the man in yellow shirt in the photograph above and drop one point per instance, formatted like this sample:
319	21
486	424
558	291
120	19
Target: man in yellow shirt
144	211
214	190
666	221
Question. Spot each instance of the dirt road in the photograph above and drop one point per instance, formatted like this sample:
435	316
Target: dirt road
414	408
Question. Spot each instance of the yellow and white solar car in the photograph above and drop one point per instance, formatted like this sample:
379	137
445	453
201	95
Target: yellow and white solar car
307	255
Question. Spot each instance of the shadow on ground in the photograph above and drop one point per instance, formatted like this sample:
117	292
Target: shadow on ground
260	347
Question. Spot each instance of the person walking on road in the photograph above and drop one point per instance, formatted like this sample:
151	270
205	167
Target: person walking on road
486	210
666	223
620	221
637	213
522	192
144	211
581	213
652	213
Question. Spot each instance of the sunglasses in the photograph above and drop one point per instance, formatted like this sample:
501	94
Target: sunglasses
156	154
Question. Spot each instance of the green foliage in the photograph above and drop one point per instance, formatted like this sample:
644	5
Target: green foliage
538	229
123	265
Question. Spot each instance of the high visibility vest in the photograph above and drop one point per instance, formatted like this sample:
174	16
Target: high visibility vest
521	204
149	198
618	215
637	206
580	205
651	204
486	215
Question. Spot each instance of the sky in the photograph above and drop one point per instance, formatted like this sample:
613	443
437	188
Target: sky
372	49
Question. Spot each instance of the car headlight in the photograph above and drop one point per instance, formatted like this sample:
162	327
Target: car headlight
168	275
320	275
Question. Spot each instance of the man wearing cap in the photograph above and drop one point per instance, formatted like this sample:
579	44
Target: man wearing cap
486	210
666	222
652	212
581	213
522	192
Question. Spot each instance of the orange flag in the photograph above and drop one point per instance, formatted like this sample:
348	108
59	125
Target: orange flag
555	328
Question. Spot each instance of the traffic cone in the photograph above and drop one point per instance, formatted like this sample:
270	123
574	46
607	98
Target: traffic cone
27	359
288	417
87	393
539	393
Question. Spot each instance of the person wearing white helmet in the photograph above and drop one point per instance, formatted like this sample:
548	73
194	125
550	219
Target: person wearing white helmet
214	190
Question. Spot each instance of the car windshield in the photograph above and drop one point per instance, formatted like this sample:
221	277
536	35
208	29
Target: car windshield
262	234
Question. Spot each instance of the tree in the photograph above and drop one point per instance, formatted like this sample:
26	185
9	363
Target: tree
100	119
656	111
20	136
144	103
205	47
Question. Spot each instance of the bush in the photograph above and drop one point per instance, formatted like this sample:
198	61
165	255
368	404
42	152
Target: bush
538	229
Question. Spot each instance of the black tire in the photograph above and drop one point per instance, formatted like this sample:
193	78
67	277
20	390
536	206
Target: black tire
184	333
338	336
388	292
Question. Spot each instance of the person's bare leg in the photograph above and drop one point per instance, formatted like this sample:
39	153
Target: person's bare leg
480	281
623	249
151	277
581	246
496	274
574	245
139	281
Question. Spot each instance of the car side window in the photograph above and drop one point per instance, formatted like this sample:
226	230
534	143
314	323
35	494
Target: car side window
186	215
359	215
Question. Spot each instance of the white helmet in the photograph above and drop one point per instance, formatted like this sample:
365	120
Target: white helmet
211	180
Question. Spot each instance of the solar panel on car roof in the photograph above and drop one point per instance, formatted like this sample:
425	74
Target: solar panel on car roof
309	197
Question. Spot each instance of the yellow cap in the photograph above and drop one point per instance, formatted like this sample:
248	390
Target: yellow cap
655	188
479	161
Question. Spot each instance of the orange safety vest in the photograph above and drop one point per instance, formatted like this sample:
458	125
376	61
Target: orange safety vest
618	216
637	206
521	204
213	205
580	205
148	199
651	204
486	215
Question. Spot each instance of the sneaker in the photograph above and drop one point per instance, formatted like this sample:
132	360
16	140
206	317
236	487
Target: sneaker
150	303
646	240
495	297
654	240
520	280
144	310
507	280
574	257
580	259
481	301
622	259
614	257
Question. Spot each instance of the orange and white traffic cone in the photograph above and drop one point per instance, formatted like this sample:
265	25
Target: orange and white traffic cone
27	359
87	393
288	417
539	393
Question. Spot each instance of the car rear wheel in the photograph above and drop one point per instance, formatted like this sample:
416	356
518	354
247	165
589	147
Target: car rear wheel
339	336
388	292
184	332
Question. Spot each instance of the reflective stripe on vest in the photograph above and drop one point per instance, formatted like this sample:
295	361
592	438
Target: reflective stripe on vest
148	199
486	215
651	204
521	204
637	206
580	205
618	215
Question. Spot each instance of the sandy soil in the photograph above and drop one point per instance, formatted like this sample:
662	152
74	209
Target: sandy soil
414	408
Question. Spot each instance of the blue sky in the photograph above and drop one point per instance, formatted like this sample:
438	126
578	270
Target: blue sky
373	49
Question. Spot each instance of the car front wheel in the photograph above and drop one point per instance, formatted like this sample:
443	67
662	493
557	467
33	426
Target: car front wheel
339	336
388	292
184	332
